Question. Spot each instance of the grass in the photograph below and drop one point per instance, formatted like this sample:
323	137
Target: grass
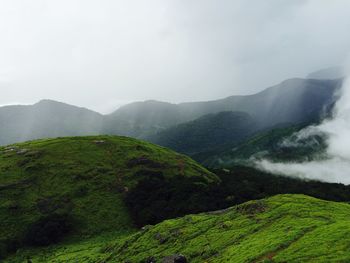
283	228
88	178
83	177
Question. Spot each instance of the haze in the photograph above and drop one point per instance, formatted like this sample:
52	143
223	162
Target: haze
102	54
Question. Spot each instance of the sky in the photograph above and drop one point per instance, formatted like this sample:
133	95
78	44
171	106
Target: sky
105	53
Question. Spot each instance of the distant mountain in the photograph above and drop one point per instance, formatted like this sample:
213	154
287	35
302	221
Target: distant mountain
293	101
327	73
207	133
140	119
45	119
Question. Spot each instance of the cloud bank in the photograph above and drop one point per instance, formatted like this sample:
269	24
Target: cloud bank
336	166
103	53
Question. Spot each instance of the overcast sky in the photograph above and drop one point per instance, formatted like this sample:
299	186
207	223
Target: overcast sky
104	53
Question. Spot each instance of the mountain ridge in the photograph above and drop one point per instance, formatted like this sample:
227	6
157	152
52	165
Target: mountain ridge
294	101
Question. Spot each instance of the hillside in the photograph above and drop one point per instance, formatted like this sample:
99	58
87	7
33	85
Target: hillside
283	228
207	133
279	144
78	187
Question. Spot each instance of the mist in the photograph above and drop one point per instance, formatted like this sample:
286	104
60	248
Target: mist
103	54
334	165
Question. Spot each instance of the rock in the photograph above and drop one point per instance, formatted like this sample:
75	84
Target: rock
160	238
99	141
177	258
149	260
146	227
22	151
252	208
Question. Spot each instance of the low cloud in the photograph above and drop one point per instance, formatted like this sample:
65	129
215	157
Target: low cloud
335	167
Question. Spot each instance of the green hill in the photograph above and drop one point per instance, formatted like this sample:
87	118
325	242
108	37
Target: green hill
283	228
79	187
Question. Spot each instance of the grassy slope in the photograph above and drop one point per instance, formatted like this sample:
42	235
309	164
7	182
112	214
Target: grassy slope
283	228
85	177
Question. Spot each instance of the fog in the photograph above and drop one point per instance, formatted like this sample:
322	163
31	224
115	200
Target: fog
335	165
103	54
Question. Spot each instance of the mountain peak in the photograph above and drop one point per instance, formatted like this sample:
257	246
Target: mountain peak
49	101
336	72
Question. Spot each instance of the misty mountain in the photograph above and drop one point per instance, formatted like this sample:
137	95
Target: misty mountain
293	101
45	119
206	133
141	119
327	73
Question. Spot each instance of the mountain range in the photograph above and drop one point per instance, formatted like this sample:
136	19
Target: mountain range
107	198
290	102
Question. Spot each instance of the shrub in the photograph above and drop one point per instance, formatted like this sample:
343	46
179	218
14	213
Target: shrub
48	230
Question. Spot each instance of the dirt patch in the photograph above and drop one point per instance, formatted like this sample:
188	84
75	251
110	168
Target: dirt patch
252	208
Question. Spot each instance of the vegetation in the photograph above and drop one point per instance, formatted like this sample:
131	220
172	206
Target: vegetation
209	132
55	189
283	228
155	199
269	144
84	198
241	184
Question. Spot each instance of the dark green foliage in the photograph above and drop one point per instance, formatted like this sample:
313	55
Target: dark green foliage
156	198
242	184
209	132
48	230
267	144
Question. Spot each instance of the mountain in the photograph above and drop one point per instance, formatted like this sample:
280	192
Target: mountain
207	132
45	119
293	101
328	73
278	144
77	187
140	119
283	228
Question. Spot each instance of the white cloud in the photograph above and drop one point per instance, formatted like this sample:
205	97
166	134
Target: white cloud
336	168
84	51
